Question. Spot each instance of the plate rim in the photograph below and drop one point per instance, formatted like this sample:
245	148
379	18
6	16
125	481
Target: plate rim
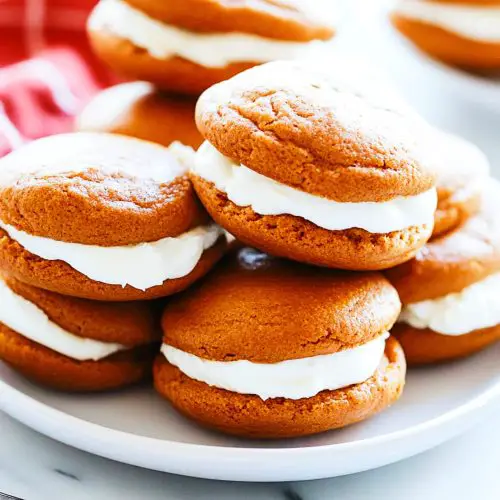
9	396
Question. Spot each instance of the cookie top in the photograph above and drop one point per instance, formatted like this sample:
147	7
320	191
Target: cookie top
97	189
127	323
280	19
452	262
267	310
137	109
323	132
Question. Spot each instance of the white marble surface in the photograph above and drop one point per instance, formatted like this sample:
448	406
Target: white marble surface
33	467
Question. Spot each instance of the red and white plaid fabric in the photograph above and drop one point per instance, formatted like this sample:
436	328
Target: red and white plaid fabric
47	70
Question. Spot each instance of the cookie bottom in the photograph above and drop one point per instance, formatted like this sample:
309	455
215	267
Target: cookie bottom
454	210
425	346
450	47
298	239
175	74
51	369
58	276
250	416
139	110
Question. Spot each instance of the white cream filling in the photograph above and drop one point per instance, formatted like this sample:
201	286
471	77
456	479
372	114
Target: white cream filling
141	266
475	307
476	22
291	379
265	196
164	41
31	322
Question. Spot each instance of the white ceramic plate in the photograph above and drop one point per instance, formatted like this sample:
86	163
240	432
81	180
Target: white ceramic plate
139	428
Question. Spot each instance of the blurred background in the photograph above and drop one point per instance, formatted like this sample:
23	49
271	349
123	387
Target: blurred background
52	31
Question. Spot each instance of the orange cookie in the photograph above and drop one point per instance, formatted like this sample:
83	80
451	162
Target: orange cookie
460	33
268	348
450	290
302	163
462	172
103	216
138	110
190	45
75	344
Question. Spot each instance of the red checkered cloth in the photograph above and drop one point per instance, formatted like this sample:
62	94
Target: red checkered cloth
47	71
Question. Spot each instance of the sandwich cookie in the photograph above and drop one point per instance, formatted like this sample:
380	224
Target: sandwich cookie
75	344
190	45
450	290
462	171
103	216
266	348
137	109
306	165
461	33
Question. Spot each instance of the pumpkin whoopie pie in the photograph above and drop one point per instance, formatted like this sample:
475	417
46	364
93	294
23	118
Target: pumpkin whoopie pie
302	163
187	46
75	344
139	110
450	291
103	216
463	33
268	348
462	172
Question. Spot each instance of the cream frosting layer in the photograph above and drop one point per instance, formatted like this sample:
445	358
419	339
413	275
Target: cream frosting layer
475	307
476	22
291	379
265	196
141	266
31	322
164	41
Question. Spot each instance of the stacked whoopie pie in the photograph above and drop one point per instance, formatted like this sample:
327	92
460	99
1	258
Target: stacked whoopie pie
463	33
182	48
302	165
91	225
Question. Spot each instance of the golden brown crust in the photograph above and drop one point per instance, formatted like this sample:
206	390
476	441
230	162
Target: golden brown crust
467	2
267	310
173	75
138	110
250	416
454	209
91	205
56	371
456	260
305	127
298	239
282	20
426	346
58	276
130	324
449	47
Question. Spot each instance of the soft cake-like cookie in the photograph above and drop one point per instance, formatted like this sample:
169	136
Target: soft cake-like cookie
189	45
303	163
103	217
269	348
139	110
75	344
462	171
463	33
450	290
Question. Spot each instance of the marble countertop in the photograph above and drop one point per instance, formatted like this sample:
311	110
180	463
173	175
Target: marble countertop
33	467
